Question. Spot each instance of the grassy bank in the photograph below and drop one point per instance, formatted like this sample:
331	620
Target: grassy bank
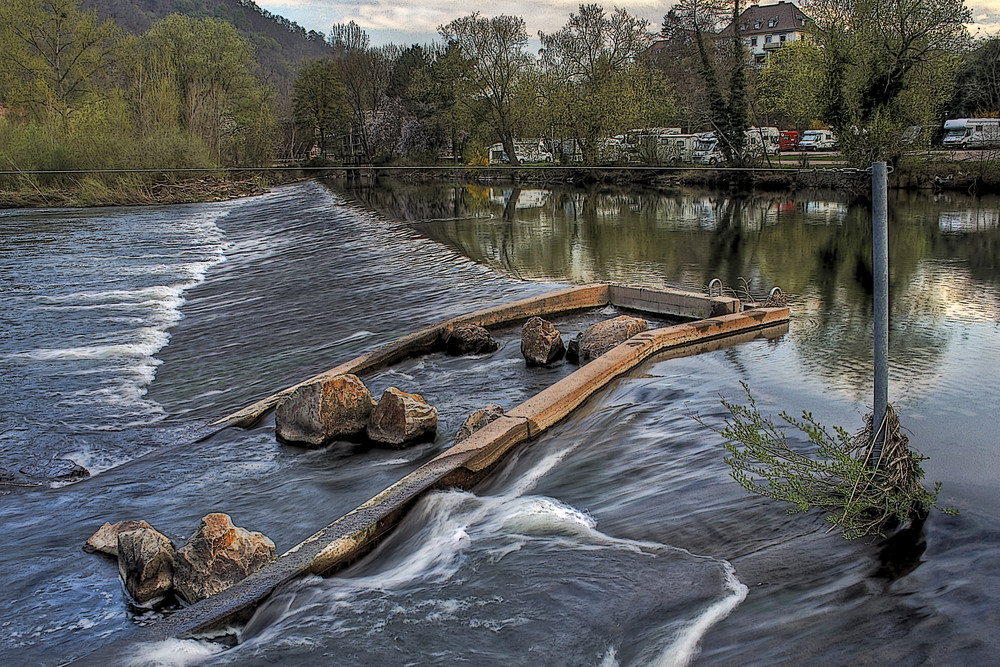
973	172
133	189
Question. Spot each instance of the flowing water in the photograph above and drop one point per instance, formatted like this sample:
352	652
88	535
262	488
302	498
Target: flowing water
617	538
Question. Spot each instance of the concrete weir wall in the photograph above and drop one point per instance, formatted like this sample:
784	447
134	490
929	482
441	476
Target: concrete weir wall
646	299
352	536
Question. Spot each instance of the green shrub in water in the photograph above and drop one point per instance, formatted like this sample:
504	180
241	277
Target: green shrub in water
861	496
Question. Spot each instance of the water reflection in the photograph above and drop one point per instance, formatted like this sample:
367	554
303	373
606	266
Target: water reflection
816	246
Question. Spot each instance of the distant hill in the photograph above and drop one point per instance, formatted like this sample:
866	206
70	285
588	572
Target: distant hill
281	44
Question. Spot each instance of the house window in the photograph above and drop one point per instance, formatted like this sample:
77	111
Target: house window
771	23
767	40
753	41
781	39
757	24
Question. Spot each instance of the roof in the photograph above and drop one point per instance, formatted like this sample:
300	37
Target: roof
779	18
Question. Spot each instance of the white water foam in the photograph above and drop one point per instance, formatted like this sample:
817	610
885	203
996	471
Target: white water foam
124	358
172	653
455	526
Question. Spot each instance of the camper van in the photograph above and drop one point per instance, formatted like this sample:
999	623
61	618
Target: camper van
817	140
789	140
658	145
763	141
971	133
530	150
760	141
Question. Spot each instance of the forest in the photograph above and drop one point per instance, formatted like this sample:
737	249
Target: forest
240	87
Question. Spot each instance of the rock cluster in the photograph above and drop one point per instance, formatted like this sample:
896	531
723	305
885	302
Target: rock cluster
541	342
469	339
215	557
599	338
401	418
477	420
324	410
342	407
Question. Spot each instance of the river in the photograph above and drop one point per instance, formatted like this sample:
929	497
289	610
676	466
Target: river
618	538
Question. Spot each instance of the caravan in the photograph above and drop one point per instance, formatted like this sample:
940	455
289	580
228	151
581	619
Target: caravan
971	133
658	145
818	140
760	142
527	150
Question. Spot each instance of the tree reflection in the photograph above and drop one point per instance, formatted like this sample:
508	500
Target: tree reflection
816	246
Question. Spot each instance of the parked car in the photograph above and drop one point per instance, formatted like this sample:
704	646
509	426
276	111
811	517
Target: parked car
818	140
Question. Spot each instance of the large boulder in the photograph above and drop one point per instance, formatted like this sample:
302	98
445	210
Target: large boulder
324	410
469	339
401	418
477	420
217	556
603	336
541	343
145	563
105	540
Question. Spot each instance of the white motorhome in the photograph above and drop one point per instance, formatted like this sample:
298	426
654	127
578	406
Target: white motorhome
658	145
818	140
971	133
530	150
764	140
760	141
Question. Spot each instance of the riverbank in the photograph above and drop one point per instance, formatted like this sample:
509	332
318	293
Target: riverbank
137	189
971	172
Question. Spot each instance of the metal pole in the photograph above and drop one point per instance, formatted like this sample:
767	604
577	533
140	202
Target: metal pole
880	271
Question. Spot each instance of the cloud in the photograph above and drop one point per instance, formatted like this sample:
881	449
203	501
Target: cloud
416	21
421	18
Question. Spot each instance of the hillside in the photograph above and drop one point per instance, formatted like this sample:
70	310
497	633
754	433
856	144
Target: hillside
281	44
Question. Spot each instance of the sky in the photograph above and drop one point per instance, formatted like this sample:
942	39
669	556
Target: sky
407	22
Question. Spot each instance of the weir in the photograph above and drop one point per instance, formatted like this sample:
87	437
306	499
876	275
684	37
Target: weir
717	321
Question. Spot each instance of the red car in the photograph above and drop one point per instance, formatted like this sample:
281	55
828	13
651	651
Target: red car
789	140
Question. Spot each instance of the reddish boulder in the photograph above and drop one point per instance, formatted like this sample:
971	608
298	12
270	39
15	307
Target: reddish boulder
603	336
217	556
469	339
105	540
401	418
477	420
324	410
145	563
541	343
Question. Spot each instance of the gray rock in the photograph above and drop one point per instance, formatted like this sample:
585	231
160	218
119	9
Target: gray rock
401	418
603	336
469	339
477	420
145	563
217	556
573	349
541	344
105	540
324	410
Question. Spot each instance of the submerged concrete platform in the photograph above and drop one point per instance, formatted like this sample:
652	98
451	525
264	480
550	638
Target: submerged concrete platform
355	534
656	301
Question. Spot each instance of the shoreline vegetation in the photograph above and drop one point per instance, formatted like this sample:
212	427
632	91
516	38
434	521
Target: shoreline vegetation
201	107
935	172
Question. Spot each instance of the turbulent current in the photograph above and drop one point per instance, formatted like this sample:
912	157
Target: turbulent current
617	538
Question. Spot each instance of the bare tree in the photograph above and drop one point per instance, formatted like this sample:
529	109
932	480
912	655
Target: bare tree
494	48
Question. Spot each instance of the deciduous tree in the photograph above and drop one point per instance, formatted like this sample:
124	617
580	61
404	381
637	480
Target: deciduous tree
53	55
318	100
497	63
879	55
597	82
